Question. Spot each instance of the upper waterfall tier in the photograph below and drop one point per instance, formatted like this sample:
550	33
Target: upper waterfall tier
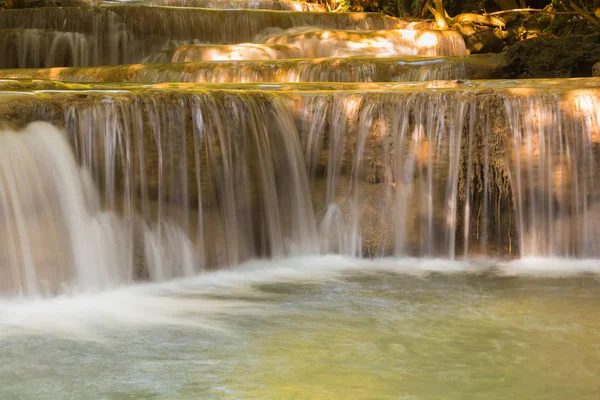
31	48
306	70
49	37
216	26
383	43
316	43
432	169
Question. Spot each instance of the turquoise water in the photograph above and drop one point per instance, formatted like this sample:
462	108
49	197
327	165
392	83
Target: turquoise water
317	328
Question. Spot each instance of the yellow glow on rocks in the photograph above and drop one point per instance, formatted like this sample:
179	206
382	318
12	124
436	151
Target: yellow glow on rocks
351	105
586	102
427	39
392	43
238	52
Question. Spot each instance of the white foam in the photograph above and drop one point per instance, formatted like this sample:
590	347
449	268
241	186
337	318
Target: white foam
193	301
550	267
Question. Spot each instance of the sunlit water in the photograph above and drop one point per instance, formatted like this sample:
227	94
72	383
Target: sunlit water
317	328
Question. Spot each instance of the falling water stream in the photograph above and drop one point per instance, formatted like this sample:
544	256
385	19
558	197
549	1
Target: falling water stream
279	202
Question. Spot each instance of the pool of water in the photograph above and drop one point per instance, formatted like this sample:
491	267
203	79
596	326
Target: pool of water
317	328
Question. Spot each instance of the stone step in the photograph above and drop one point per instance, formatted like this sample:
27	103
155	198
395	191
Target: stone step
302	70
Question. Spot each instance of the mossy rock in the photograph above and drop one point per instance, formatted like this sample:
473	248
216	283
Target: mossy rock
596	70
546	57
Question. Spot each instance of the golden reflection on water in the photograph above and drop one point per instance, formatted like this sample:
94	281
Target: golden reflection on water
390	339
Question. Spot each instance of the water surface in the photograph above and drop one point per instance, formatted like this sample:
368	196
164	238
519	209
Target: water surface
317	328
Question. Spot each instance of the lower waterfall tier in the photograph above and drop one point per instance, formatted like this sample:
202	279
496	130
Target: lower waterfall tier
476	168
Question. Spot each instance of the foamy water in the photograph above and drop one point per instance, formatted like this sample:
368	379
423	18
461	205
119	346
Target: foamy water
316	328
196	301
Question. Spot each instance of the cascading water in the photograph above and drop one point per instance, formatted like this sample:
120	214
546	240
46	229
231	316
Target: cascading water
53	232
131	33
244	51
552	171
424	172
168	188
389	43
197	180
35	48
452	174
201	177
299	70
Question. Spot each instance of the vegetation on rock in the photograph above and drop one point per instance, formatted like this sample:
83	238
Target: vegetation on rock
547	57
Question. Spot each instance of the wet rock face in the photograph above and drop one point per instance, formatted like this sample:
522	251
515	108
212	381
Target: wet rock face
544	57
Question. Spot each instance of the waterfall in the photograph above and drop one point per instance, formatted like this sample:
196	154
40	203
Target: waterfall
389	43
271	134
425	172
125	34
194	186
244	51
53	232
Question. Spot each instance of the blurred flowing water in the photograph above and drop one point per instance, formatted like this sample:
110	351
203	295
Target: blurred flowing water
188	178
199	201
317	328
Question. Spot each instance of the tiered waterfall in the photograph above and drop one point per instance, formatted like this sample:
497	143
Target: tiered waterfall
158	139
